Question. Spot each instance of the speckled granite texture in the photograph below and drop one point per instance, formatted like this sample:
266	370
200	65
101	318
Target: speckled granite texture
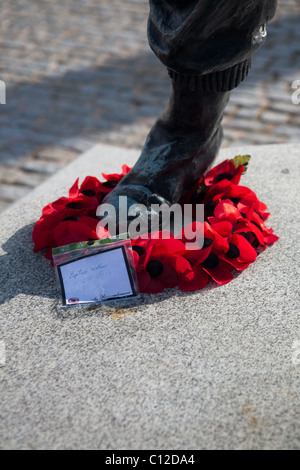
210	370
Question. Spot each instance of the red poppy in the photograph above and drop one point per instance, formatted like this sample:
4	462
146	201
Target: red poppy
162	266
249	223
263	237
199	281
225	171
240	197
191	233
201	236
138	248
64	209
233	232
113	180
240	253
254	223
226	190
205	261
91	187
71	206
218	269
70	231
206	264
42	234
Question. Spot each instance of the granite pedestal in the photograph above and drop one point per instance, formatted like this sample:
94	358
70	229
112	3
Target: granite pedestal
216	369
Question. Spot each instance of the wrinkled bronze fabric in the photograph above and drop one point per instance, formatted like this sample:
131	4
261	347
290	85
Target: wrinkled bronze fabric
206	36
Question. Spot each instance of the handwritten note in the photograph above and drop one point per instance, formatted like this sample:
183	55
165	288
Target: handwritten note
96	278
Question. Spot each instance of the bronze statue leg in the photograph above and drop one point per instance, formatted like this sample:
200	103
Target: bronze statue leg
207	46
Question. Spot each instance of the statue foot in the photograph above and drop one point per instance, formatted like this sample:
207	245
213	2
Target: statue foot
180	147
207	49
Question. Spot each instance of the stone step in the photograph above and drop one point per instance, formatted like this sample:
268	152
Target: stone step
216	369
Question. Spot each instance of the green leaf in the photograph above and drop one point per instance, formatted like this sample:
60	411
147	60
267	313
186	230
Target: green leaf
241	160
201	188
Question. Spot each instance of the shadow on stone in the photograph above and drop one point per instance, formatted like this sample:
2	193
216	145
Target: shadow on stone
23	271
26	272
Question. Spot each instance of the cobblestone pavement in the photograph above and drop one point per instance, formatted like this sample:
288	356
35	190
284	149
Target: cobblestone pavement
80	72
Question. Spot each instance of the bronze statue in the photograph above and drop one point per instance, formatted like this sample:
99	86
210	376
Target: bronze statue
207	47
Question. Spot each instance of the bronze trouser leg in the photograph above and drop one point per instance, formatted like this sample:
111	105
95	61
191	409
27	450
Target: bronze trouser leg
207	46
208	37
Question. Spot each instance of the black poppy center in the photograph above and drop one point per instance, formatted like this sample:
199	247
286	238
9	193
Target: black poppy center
73	219
246	235
198	198
140	250
212	261
235	200
233	251
155	268
74	205
110	184
259	215
254	223
210	206
207	242
224	176
89	192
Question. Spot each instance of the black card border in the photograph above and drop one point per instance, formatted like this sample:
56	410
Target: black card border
134	294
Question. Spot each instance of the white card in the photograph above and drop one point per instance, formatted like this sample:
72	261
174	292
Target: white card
97	278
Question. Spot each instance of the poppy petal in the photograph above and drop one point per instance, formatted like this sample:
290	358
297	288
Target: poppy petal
235	263
221	274
183	268
74	189
247	252
144	280
199	281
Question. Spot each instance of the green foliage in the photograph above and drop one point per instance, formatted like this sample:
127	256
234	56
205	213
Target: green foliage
241	160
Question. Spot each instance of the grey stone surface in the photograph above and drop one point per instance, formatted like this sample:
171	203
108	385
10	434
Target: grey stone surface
217	369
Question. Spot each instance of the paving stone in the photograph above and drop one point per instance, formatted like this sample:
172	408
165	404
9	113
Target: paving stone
264	139
246	124
247	113
76	73
12	192
31	179
40	166
4	205
58	154
288	131
285	107
276	118
8	175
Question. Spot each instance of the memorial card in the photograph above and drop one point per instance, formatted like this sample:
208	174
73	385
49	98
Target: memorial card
97	278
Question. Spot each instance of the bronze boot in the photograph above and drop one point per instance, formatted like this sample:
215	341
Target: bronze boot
207	46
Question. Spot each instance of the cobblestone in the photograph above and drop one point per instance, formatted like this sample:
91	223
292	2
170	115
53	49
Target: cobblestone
37	166
274	118
81	72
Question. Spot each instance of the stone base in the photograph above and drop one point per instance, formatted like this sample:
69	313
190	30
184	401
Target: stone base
215	369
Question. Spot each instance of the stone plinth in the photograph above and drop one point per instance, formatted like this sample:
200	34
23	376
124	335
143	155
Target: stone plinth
215	369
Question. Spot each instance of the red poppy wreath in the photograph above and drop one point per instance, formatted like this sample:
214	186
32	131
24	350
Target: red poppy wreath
234	230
